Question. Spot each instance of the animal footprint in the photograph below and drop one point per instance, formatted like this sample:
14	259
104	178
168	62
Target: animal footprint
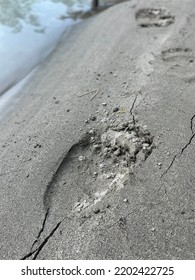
177	54
181	59
154	17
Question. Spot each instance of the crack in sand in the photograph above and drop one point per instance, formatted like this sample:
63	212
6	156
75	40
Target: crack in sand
132	108
192	124
44	242
41	230
37	238
183	149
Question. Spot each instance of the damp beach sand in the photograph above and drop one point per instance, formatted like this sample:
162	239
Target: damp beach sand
97	156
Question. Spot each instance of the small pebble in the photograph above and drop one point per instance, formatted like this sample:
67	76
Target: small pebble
117	152
104	104
102	165
145	127
146	145
104	120
115	109
96	211
124	163
93	118
81	158
111	175
126	200
105	150
96	147
92	131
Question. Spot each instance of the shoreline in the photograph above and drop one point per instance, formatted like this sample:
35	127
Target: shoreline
98	151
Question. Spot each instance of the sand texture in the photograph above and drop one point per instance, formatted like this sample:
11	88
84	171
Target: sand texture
97	157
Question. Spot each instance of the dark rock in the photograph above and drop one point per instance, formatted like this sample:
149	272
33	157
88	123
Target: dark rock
93	118
115	109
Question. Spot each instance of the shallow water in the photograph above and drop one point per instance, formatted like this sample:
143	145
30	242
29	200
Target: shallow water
29	31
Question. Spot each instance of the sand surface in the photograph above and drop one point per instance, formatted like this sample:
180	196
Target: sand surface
97	158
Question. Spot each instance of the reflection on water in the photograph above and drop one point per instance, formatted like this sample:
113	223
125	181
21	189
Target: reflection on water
29	31
13	13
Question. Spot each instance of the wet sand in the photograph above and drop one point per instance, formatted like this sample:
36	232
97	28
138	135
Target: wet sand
97	158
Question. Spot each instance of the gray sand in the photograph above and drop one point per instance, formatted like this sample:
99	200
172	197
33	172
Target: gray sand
97	159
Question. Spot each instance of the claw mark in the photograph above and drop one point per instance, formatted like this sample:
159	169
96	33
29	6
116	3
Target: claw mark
183	149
